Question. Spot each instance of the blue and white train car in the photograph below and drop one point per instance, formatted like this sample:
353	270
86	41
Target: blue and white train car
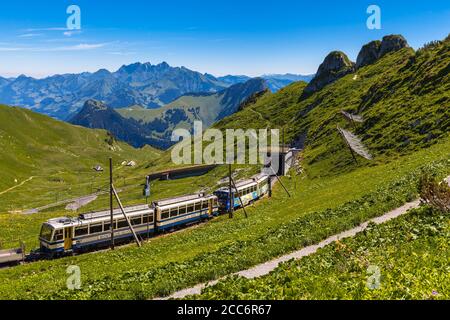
176	212
246	191
93	230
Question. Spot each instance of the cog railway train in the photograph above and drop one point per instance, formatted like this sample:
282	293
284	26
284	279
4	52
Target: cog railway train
91	231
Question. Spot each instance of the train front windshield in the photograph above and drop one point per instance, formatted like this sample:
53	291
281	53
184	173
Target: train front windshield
222	196
46	232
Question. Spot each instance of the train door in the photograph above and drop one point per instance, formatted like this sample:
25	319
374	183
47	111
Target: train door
156	219
210	207
68	238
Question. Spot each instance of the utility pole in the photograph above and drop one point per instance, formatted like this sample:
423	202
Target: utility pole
240	199
230	193
125	216
270	186
279	180
111	202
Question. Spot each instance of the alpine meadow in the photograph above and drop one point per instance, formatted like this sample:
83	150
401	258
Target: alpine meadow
357	210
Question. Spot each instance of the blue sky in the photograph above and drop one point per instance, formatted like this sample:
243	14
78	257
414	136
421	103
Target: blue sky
219	37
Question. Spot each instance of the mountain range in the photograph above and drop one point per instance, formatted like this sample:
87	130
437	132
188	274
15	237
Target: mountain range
139	126
144	84
275	82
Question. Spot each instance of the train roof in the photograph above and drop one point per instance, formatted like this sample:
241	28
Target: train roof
261	177
246	183
61	222
177	200
107	213
98	216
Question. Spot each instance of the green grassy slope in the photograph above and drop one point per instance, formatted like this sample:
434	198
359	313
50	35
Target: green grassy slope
410	252
58	156
208	106
404	98
182	112
191	108
320	206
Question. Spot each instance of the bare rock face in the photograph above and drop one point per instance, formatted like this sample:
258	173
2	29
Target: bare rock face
392	43
335	66
371	52
368	54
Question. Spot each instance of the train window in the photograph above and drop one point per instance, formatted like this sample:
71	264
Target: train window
81	231
222	195
58	235
46	232
136	221
190	208
122	224
173	212
198	206
182	210
148	219
165	214
107	226
205	205
95	228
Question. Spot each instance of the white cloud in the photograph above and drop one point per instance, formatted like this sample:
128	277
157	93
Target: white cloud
47	29
121	53
9	49
66	31
30	35
71	33
78	47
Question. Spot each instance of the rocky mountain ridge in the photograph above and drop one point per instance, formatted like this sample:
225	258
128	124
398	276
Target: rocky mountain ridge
337	64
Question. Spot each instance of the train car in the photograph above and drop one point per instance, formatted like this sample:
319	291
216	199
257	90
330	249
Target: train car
246	191
12	256
262	180
92	230
177	212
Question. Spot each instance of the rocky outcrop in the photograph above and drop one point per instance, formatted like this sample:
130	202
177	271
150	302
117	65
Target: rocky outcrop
392	43
368	54
335	66
371	52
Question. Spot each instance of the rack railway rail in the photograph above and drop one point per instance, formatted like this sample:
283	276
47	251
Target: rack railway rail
92	231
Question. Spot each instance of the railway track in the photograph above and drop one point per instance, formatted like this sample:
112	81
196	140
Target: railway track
11	257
